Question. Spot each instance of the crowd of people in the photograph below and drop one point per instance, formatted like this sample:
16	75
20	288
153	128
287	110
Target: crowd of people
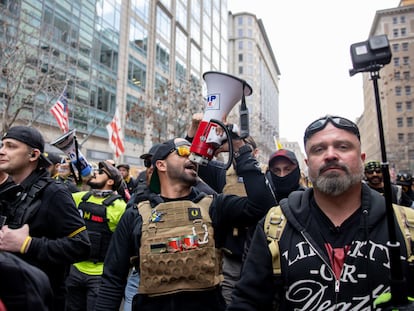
183	236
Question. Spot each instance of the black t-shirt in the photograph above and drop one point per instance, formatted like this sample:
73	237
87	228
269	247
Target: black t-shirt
335	240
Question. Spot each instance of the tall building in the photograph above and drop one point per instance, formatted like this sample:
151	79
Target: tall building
396	91
251	58
145	58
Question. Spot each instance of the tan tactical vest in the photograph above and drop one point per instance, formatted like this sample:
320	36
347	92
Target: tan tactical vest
234	183
164	271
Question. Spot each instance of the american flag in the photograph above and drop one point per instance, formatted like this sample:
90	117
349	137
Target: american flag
61	112
114	132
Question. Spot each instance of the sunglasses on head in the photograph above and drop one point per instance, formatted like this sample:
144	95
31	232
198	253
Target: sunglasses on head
339	122
374	170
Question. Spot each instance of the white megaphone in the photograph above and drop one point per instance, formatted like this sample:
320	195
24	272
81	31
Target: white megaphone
67	143
224	91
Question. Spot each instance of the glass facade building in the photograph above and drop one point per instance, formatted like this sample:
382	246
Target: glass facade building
145	58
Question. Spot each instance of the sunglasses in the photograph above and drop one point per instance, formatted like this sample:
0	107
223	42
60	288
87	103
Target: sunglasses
372	171
182	150
338	122
147	162
101	171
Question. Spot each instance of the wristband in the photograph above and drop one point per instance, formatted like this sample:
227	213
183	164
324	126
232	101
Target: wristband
25	244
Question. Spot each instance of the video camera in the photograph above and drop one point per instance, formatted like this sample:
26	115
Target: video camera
370	55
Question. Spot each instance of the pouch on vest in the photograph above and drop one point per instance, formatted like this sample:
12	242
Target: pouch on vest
165	266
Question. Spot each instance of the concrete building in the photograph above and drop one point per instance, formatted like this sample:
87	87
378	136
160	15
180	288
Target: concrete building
251	58
396	91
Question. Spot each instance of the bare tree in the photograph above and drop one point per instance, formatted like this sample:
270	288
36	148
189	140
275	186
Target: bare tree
170	110
29	79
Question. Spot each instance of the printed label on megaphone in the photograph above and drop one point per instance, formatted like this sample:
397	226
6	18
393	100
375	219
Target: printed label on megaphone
66	143
223	93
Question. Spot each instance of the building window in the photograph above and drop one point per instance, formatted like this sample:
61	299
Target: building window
409	121
398	106
240	20
396	61
163	25
397	75
395	20
240	70
138	36
407	89
406	75
410	137
399	122
395	47
398	90
403	32
250	33
395	33
406	60
240	45
240	32
400	137
249	20
408	106
240	57
410	154
405	46
402	19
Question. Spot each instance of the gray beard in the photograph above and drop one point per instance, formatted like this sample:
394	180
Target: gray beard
335	184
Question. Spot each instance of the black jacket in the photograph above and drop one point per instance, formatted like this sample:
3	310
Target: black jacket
225	211
58	232
23	286
307	281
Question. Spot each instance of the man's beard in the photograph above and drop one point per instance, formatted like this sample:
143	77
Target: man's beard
334	183
96	185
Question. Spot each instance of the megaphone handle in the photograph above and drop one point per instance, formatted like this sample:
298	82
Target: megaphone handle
229	141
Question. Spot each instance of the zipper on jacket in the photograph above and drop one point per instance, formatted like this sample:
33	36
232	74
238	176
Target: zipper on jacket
337	282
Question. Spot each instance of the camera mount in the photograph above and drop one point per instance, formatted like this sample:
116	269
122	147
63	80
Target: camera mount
370	56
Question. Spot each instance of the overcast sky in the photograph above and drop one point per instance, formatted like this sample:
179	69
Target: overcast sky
311	41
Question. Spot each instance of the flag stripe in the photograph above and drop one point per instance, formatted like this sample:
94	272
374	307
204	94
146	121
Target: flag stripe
115	139
61	112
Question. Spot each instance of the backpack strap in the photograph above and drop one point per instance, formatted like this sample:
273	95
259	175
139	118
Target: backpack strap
405	219
274	225
29	208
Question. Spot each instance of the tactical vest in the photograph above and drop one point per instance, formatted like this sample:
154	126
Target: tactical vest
234	183
167	264
96	222
25	204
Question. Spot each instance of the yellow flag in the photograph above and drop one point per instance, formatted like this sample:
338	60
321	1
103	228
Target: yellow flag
278	145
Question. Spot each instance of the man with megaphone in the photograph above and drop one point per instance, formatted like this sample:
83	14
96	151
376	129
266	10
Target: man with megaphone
181	232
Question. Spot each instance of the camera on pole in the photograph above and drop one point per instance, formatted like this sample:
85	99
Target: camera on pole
370	56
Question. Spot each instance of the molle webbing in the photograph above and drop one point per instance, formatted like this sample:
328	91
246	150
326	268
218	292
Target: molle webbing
163	272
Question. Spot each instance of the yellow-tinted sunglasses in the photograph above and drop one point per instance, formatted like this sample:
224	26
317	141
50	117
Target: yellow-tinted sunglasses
182	150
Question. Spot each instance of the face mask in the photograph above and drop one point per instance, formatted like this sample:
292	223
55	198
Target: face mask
286	184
